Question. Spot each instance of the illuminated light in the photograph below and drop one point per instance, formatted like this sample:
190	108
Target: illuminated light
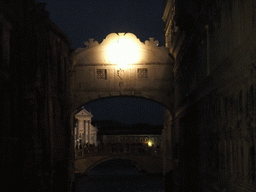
149	144
123	52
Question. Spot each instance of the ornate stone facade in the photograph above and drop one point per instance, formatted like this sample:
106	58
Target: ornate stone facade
212	135
84	132
97	75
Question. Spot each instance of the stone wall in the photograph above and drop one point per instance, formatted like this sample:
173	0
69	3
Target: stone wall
35	133
213	44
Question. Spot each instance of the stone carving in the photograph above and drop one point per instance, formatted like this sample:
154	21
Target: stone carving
95	53
152	42
142	72
91	43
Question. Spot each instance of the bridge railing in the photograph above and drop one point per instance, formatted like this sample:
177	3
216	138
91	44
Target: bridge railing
117	149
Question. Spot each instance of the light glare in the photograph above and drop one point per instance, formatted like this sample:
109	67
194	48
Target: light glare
123	52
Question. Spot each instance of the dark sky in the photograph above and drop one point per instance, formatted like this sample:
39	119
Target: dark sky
84	19
128	110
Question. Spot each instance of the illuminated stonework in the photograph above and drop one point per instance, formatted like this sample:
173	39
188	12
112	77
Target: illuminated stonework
121	50
121	65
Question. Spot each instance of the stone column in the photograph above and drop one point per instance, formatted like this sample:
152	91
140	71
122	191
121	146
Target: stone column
77	134
82	127
89	132
86	131
84	123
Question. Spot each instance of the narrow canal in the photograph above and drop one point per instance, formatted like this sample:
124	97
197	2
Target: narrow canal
119	175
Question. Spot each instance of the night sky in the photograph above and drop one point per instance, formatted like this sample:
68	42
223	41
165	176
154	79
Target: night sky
84	19
128	110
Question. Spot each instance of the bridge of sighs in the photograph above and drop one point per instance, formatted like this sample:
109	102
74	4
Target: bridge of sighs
121	65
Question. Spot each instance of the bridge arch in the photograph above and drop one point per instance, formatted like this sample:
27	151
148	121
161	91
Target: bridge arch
123	96
160	98
150	164
107	159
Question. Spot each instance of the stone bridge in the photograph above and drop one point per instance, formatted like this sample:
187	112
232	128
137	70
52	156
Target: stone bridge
149	160
136	69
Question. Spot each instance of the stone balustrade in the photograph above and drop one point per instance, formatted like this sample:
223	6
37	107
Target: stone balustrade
116	149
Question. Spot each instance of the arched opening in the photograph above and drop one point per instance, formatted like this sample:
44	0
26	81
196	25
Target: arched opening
124	108
125	112
125	126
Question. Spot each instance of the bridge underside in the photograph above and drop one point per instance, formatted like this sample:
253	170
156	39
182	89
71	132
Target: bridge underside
150	164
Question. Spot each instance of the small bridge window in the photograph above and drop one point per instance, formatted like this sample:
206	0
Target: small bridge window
101	73
142	73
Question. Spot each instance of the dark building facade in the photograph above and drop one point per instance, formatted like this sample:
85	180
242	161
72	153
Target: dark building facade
36	145
210	142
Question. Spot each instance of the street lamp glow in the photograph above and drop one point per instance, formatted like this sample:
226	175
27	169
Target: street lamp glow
149	144
123	51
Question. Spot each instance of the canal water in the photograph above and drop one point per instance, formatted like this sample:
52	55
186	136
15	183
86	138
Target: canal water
119	175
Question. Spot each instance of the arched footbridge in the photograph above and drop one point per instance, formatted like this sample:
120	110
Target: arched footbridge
147	159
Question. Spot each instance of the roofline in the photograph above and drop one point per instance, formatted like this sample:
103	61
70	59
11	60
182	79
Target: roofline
57	30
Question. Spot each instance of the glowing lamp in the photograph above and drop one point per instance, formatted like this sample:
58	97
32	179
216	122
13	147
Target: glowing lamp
123	51
149	144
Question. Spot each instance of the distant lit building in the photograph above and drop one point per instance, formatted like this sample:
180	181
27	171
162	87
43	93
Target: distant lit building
143	139
84	132
111	132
